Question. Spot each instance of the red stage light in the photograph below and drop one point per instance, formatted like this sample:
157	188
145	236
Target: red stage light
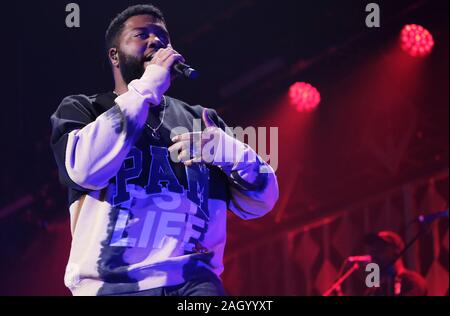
416	40
304	97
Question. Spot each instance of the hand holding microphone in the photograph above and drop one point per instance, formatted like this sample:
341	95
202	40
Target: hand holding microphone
171	60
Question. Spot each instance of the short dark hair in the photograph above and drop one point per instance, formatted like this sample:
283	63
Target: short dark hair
115	28
386	239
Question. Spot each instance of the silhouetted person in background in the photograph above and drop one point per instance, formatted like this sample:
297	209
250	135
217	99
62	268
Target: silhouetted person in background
395	278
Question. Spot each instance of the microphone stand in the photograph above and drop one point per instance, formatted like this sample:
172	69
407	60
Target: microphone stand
424	228
337	284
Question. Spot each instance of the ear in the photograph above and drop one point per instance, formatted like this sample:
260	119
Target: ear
113	55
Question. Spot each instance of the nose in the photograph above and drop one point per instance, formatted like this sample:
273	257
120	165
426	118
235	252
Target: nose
155	42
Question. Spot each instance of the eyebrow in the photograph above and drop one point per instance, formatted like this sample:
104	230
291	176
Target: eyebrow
146	28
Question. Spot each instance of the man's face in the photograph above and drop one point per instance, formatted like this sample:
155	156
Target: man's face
141	37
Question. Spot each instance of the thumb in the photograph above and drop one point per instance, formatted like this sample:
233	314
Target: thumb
207	119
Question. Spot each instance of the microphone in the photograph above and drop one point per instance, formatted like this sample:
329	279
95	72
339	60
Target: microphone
185	70
363	258
181	68
432	217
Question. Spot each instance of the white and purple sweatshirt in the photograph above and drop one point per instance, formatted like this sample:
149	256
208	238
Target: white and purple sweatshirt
139	220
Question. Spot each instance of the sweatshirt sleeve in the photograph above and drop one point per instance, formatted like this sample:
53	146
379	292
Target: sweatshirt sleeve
253	183
90	151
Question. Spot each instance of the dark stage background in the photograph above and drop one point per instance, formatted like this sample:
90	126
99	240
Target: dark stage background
373	156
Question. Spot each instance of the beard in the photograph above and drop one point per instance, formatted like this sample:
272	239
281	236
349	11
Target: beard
131	67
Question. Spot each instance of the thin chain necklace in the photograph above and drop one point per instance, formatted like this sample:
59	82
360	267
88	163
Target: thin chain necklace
154	131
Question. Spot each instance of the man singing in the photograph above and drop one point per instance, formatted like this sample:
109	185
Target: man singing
150	177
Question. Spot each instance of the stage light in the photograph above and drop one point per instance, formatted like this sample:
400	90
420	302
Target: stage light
304	97
416	40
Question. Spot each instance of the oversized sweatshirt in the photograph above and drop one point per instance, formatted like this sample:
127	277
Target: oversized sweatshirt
140	220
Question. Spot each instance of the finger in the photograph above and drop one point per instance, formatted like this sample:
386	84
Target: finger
190	162
170	47
179	146
173	51
163	54
182	137
207	119
185	155
160	54
172	59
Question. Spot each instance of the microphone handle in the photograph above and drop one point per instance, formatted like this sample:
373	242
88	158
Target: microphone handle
185	70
